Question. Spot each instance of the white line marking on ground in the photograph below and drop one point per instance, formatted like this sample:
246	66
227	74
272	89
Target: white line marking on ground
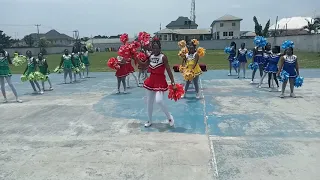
213	159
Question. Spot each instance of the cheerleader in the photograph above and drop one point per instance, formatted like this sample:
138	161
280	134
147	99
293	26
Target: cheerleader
266	57
121	74
85	60
231	57
43	68
242	57
257	58
272	67
77	60
68	64
130	70
190	61
31	68
289	63
143	68
156	84
5	73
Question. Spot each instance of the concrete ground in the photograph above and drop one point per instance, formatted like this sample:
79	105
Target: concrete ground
236	132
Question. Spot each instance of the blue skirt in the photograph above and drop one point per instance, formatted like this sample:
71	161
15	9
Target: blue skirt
259	59
271	68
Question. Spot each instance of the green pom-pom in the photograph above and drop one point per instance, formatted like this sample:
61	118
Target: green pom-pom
23	78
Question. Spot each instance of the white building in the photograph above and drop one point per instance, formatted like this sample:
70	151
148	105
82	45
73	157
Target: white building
291	26
226	27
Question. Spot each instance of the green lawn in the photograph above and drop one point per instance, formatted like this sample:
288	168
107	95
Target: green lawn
214	59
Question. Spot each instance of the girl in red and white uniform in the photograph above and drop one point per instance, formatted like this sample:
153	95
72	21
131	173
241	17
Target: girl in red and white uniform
130	70
156	84
143	68
121	74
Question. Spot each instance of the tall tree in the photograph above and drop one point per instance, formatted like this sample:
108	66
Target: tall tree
258	28
313	26
29	40
5	41
43	44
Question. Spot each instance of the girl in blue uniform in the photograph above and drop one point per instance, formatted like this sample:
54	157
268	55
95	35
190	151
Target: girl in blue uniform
272	67
242	57
257	58
289	63
232	55
266	56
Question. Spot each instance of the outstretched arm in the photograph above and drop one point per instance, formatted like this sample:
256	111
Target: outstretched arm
166	63
297	67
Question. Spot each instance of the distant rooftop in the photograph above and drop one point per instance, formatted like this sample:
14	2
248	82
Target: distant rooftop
292	23
181	22
107	41
184	31
226	17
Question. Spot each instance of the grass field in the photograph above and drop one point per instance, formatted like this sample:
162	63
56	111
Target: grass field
214	59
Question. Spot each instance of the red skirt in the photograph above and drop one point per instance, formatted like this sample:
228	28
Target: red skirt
130	68
156	82
122	72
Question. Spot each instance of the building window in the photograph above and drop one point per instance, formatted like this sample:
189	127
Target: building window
233	24
165	37
225	33
160	37
221	24
231	33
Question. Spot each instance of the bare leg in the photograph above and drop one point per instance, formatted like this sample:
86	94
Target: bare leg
49	82
33	86
284	84
75	77
70	75
261	69
42	83
292	80
38	85
139	75
253	74
65	75
87	69
123	79
196	83
275	79
186	87
3	90
244	69
135	78
13	89
261	80
119	83
128	80
230	67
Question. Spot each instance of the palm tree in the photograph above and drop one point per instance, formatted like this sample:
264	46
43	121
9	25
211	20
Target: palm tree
313	25
258	28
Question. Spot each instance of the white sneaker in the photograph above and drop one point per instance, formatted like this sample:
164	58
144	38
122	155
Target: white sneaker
251	82
41	92
259	86
171	121
50	89
147	124
198	95
5	100
118	92
270	89
125	92
293	95
229	74
279	89
281	95
19	101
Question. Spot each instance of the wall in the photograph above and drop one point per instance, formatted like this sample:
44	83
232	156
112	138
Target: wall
227	27
35	51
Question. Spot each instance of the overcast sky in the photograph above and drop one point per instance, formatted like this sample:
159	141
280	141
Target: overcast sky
106	17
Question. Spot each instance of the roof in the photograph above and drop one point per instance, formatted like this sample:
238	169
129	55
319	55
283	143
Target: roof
51	35
184	31
226	17
181	22
106	41
247	34
291	23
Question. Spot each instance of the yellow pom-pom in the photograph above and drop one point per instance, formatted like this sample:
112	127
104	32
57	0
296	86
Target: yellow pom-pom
183	52
201	51
181	68
188	75
182	43
195	42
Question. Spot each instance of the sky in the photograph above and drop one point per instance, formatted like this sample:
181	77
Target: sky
106	17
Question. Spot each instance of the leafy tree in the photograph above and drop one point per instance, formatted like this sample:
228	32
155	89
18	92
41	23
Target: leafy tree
5	41
258	28
29	40
313	25
43	44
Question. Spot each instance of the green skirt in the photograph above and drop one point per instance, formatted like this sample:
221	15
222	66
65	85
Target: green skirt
5	71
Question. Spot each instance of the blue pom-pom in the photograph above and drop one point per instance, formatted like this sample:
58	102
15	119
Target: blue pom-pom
298	82
250	54
253	66
284	76
235	63
287	44
260	41
227	50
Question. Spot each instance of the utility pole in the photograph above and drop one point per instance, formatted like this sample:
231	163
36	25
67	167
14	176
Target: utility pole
38	35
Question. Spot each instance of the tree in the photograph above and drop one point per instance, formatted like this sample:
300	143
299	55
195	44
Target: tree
43	44
84	39
313	25
258	28
5	41
29	40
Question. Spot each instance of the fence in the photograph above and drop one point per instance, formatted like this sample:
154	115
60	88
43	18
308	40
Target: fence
307	43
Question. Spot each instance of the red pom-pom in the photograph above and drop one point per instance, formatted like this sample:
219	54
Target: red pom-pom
124	51
113	63
142	56
144	38
136	44
124	38
175	94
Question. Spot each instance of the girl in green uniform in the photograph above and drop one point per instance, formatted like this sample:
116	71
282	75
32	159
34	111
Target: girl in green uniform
77	61
68	64
5	73
85	59
43	68
31	68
